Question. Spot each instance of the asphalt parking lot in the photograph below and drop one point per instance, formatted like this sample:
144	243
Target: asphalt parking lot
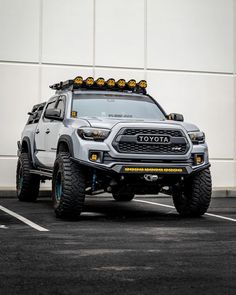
117	248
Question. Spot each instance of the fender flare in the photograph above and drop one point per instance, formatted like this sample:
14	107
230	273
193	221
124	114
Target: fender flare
68	141
29	150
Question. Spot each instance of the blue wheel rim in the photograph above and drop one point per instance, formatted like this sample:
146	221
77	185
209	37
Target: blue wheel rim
58	189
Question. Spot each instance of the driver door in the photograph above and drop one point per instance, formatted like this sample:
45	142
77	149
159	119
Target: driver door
53	133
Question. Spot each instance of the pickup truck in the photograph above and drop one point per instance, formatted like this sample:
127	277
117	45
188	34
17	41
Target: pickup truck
111	136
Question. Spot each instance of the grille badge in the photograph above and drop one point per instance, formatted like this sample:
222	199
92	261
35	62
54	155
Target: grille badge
176	148
159	139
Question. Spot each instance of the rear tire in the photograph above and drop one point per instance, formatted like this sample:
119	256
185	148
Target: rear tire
193	199
27	184
123	197
68	187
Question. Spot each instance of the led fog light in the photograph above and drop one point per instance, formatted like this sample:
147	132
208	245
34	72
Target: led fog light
198	159
95	156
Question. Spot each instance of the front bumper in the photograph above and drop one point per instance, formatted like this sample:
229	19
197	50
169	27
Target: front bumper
146	168
135	162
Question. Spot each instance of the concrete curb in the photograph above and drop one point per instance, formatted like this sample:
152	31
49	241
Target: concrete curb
217	192
224	192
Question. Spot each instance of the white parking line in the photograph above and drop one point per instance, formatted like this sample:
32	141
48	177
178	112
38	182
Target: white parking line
168	206
157	204
222	217
23	219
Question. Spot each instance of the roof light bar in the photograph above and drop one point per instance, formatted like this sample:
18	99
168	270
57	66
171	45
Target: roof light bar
101	84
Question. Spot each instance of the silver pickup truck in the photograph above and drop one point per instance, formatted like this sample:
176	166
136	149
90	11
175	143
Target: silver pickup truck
111	136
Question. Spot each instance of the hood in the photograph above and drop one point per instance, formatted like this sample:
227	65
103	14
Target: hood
110	123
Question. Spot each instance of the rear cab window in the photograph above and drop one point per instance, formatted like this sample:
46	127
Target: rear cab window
36	113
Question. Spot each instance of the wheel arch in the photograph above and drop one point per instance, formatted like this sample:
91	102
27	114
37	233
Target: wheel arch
65	144
26	146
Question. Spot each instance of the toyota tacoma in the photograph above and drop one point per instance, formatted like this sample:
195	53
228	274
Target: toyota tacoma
111	136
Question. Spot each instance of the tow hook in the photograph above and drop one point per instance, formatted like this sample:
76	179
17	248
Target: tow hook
150	177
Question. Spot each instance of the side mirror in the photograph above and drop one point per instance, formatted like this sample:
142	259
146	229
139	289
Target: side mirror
175	117
53	114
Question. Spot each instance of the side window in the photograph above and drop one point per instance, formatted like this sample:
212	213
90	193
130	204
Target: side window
50	105
61	106
36	113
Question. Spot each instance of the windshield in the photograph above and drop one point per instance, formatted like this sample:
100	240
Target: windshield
115	106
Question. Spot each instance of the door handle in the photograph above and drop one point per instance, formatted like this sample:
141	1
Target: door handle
37	131
47	131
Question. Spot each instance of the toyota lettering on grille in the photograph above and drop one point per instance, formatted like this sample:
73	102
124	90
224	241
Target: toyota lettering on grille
155	139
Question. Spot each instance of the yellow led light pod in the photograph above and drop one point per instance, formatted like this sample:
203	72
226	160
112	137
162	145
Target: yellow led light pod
78	80
111	83
89	81
199	159
100	82
121	83
74	114
142	84
131	84
93	157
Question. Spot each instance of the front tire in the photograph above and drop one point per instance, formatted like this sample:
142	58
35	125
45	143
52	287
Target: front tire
68	187
27	184
193	199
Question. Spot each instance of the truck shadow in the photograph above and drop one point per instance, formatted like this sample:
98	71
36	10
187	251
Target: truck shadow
108	209
121	211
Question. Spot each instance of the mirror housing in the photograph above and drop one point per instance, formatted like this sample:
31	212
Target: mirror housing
53	114
175	117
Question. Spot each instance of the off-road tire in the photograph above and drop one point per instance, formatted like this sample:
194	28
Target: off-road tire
122	197
72	196
194	198
27	184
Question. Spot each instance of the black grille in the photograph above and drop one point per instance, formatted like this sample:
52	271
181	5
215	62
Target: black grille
131	146
127	147
173	133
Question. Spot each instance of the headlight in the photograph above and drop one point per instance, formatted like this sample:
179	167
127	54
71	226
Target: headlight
89	133
197	137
